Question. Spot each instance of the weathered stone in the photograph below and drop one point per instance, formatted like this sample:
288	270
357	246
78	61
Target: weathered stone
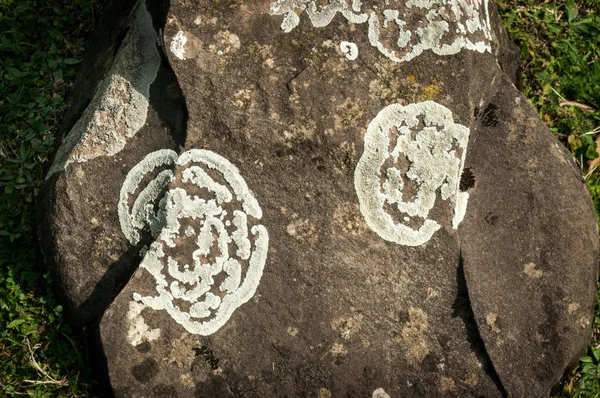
365	203
529	246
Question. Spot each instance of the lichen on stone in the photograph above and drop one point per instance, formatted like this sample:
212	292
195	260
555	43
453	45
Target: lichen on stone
349	49
203	295
178	45
414	335
119	108
139	332
380	393
419	145
447	27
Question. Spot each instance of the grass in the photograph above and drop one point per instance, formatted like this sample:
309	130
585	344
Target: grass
41	44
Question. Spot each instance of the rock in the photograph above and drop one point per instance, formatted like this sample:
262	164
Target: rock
292	198
531	233
138	102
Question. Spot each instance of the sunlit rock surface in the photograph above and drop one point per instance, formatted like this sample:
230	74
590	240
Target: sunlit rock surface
298	198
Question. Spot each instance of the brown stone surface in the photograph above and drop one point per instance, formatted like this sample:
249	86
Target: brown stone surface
529	246
500	306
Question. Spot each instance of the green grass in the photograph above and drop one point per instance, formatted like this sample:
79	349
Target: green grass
41	43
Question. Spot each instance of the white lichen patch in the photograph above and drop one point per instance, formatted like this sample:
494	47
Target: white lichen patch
338	350
119	108
418	146
349	49
380	393
178	45
227	246
462	198
138	331
447	26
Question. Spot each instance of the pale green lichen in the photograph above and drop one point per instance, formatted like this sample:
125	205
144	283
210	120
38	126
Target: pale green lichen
133	221
139	332
349	49
209	306
119	108
424	135
448	27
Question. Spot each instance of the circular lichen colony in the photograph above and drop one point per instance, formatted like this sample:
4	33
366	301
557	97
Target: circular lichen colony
209	249
411	152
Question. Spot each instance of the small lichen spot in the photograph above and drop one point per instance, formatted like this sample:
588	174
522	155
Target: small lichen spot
491	319
531	270
178	45
380	393
414	334
303	231
338	349
446	384
324	393
139	332
349	49
573	307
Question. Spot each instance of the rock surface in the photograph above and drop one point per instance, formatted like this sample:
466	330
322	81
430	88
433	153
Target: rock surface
318	199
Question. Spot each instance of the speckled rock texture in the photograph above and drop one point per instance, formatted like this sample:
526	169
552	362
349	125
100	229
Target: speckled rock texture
300	198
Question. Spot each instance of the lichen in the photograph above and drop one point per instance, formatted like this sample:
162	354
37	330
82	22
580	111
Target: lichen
303	230
347	326
119	108
448	26
338	350
349	49
531	270
202	296
414	334
347	218
380	393
491	319
138	331
425	137
178	45
226	43
446	385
